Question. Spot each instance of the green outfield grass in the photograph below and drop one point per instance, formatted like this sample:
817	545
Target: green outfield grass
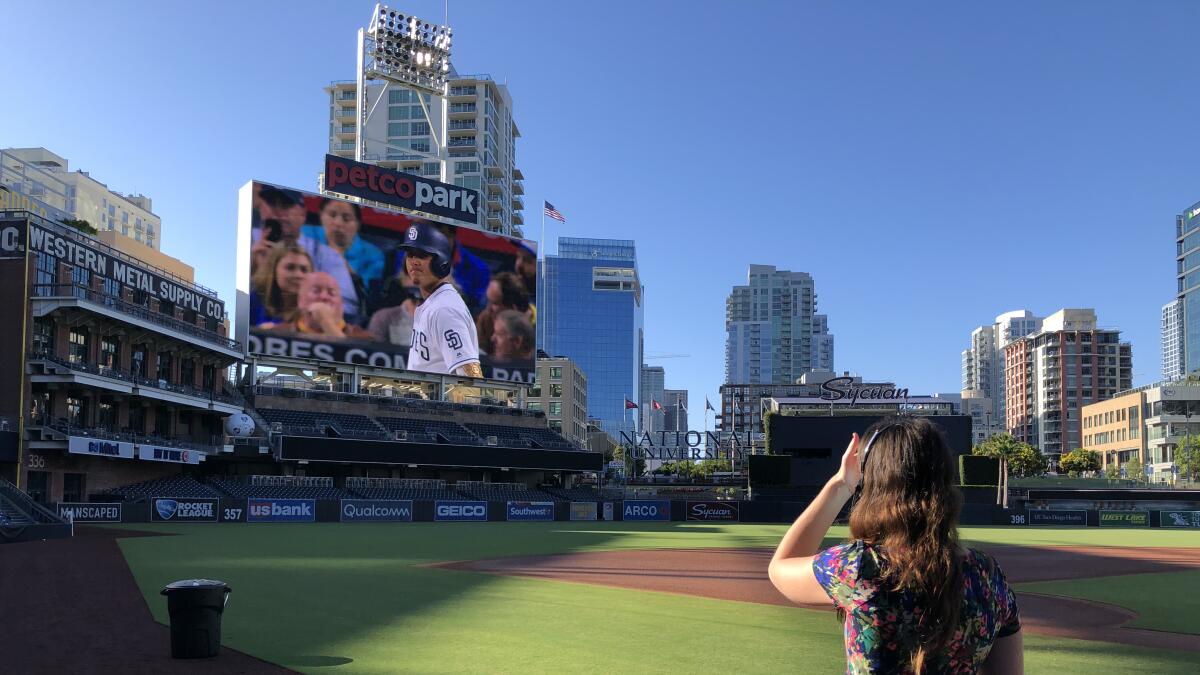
1169	601
354	598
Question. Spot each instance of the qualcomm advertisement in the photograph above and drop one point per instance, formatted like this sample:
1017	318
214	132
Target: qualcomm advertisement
377	510
281	511
646	509
531	510
184	511
460	510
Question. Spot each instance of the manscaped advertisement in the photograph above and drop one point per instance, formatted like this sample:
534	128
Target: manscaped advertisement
334	280
91	513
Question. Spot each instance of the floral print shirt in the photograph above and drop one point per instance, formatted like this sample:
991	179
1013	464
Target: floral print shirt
881	624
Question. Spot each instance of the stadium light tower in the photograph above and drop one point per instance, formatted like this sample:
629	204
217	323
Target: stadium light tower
402	49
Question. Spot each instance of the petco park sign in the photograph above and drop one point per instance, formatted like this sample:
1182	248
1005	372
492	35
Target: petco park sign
401	189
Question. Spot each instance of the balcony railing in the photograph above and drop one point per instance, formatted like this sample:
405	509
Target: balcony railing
63	426
76	291
230	397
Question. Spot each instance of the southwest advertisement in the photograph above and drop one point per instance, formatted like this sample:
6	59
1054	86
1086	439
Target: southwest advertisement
530	510
324	278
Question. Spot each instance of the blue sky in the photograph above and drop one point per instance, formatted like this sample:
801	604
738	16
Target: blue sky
930	165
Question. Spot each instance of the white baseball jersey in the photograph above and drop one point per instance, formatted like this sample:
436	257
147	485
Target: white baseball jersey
443	334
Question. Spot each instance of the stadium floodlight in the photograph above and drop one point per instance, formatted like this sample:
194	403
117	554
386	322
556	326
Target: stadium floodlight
401	49
408	50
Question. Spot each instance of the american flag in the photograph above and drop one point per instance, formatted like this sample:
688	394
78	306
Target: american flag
549	210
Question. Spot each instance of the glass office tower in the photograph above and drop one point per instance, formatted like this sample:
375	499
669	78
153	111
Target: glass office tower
590	311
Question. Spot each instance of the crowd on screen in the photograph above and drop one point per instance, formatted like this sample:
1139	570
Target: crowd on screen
315	272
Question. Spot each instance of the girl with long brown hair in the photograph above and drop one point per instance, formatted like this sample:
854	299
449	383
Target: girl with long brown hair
912	598
275	286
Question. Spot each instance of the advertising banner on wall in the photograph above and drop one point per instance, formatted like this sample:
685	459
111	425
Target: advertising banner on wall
530	511
1179	519
155	453
376	510
727	511
458	510
1124	519
404	190
583	510
646	509
91	513
281	510
1048	517
183	510
99	447
333	280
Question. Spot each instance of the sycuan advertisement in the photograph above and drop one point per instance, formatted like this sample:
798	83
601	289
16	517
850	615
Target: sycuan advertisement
325	278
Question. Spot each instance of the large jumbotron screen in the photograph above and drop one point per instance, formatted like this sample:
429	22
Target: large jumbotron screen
327	279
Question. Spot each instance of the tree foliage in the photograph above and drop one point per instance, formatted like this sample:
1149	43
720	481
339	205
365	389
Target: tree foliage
81	225
1187	457
1133	469
1079	460
1023	459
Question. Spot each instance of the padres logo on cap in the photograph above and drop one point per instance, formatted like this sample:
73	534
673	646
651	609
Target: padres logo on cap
412	232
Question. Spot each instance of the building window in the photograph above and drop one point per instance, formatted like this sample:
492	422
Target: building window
164	366
162	421
556	391
106	414
43	336
73	487
556	425
397	128
187	372
137	419
137	361
76	412
110	352
209	373
77	349
556	372
534	405
555	408
47	271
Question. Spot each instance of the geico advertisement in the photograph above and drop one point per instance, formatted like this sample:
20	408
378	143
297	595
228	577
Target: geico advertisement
460	510
376	510
281	510
338	281
646	509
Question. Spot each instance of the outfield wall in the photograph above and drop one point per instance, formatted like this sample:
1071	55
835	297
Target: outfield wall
171	510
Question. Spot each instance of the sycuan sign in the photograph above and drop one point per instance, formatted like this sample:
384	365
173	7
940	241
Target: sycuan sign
840	388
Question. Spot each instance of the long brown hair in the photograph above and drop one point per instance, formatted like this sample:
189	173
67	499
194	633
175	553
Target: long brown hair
908	507
267	286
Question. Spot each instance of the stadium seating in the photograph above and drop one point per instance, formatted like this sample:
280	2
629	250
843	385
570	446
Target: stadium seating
500	492
578	494
245	489
506	436
417	489
11	516
171	486
430	431
342	424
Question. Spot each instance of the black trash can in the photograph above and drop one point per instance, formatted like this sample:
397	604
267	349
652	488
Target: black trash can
195	606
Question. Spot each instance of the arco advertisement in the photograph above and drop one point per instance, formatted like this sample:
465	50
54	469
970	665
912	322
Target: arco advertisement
646	509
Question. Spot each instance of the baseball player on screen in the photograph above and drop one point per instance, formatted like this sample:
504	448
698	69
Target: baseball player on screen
443	334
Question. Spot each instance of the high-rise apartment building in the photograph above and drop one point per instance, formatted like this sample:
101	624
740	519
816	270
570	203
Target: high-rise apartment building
590	310
772	332
46	177
652	383
1050	375
1173	341
1187	269
675	410
983	361
481	139
561	392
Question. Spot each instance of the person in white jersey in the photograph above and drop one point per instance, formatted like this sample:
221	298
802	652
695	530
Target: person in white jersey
443	334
